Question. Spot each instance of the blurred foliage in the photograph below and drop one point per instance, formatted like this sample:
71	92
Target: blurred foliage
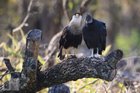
92	85
129	43
108	48
123	89
70	5
126	36
15	52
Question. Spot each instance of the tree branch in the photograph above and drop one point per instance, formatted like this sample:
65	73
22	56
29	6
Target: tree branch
52	49
65	4
8	65
77	68
84	5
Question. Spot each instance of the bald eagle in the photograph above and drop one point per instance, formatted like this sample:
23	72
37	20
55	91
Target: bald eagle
94	34
71	35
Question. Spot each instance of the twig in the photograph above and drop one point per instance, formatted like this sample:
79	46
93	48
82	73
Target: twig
104	88
2	69
65	3
8	65
52	45
6	72
87	85
25	19
84	5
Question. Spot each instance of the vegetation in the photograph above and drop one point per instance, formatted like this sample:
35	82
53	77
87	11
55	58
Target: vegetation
121	17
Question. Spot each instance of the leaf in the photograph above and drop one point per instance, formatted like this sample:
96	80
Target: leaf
70	5
88	84
41	60
14	41
104	53
23	36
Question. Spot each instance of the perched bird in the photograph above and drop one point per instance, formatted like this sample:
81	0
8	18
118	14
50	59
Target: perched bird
94	34
71	35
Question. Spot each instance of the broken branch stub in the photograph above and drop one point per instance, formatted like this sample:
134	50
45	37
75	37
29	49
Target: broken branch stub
25	81
30	62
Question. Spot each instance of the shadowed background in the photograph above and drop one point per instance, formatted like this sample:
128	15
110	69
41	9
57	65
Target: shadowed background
122	18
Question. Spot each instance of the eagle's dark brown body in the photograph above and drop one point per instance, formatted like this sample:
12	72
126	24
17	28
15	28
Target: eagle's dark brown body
72	35
69	39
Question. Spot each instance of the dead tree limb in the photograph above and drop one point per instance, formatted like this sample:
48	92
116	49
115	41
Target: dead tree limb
25	81
30	65
31	79
77	68
52	48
